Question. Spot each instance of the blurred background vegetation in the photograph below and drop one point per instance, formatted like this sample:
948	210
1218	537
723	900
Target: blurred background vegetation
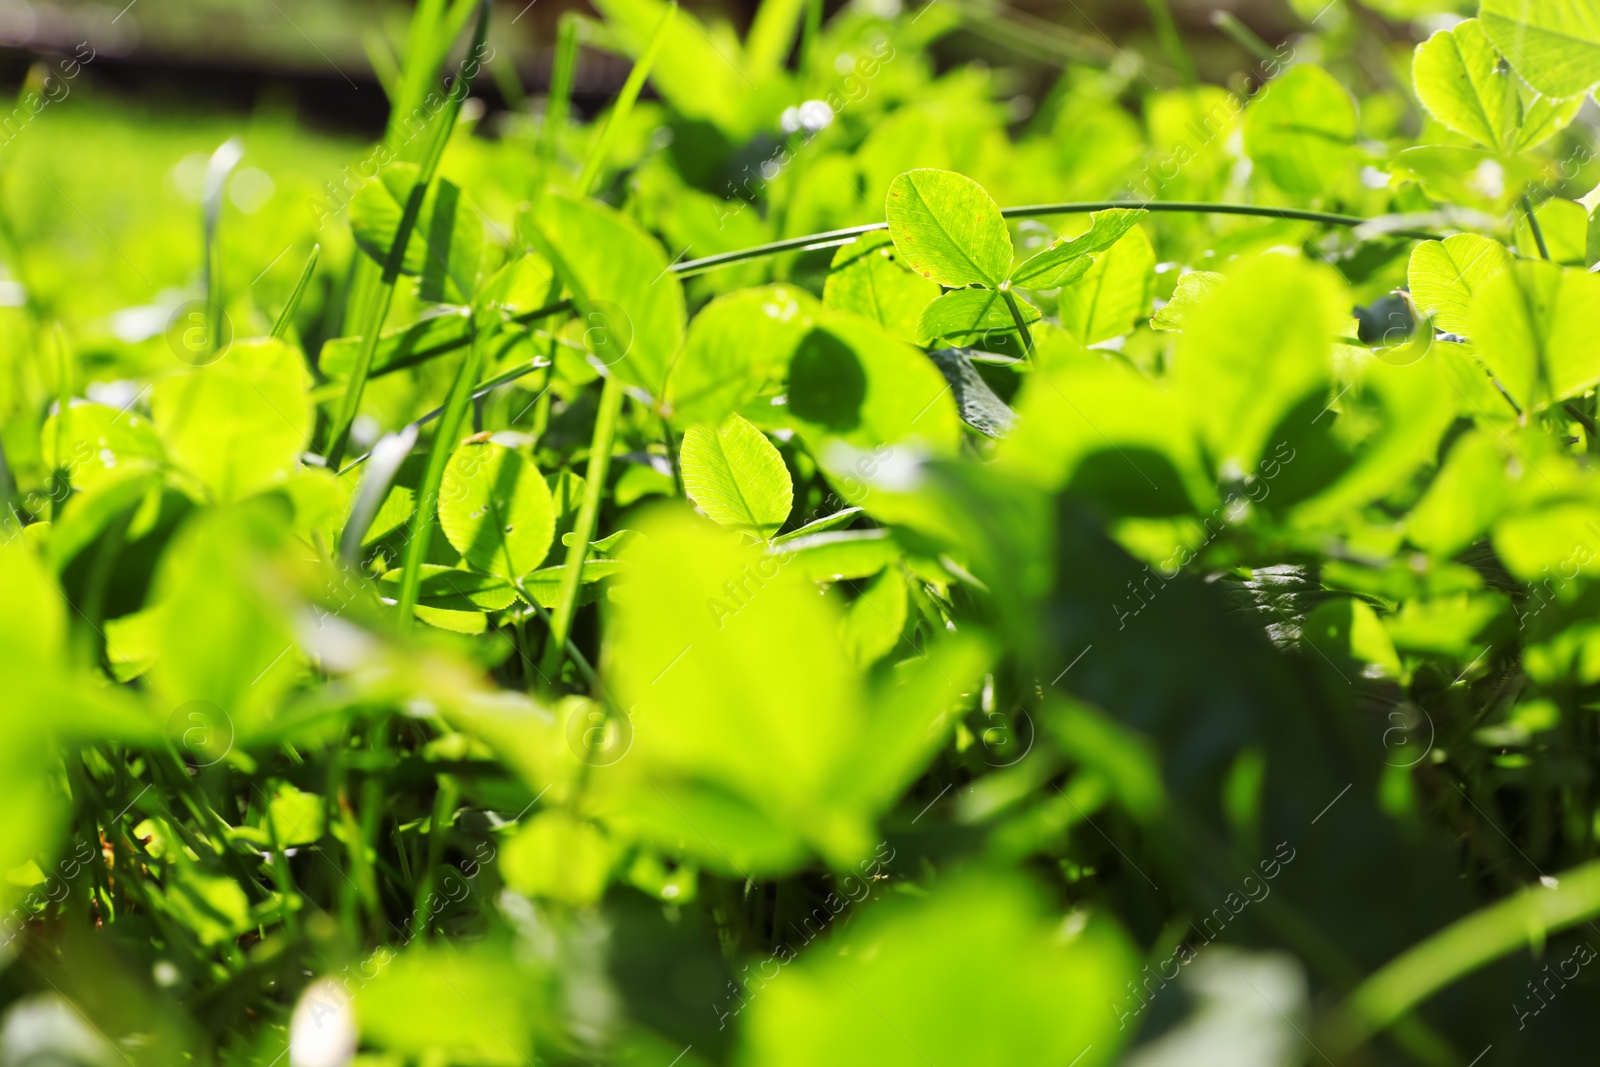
301	81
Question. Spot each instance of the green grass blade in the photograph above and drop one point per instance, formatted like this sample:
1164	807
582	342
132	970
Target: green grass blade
1464	946
378	309
772	34
624	106
444	442
376	481
1243	36
223	161
433	31
286	316
504	72
1171	40
385	67
484	389
559	106
605	429
810	32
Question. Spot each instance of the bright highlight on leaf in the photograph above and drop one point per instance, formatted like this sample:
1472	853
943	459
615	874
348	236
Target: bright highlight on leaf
736	476
1065	260
1553	44
1447	276
1461	81
495	509
948	229
1534	325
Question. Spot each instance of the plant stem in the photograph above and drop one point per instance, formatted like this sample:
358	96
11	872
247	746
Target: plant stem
221	165
444	443
280	871
579	660
673	457
422	355
829	238
837	237
444	806
378	310
286	316
1016	317
482	390
1464	946
605	428
59	478
1533	224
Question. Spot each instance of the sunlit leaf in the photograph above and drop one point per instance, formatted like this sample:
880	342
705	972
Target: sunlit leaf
1553	44
970	316
296	817
1114	293
1192	290
1301	130
976	972
558	857
1445	276
631	306
1462	84
1347	631
738	345
97	442
849	380
869	278
1465	498
1063	262
946	228
1533	324
875	619
454	589
239	424
495	509
832	556
446	243
737	477
1256	347
722	655
470	1004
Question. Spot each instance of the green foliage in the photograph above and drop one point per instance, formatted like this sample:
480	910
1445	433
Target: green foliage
738	347
632	307
1460	81
948	229
1553	44
1302	131
963	618
736	476
446	242
1446	276
869	278
1066	261
237	425
1534	326
495	509
972	973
